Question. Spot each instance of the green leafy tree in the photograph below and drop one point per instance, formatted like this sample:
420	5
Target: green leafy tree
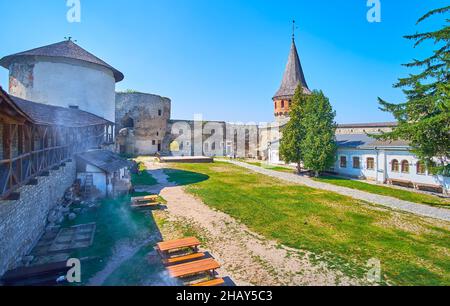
293	132
424	119
318	145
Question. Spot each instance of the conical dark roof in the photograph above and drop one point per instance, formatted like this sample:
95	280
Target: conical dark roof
293	76
64	49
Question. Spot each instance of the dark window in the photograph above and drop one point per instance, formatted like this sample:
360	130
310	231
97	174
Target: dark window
153	142
343	162
128	122
180	132
370	163
159	112
421	169
395	166
282	104
356	162
405	166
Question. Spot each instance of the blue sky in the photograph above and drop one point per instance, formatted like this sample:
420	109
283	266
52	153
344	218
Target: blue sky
225	58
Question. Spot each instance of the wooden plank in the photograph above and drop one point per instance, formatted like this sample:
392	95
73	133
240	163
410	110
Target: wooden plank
193	268
146	205
211	283
176	260
178	244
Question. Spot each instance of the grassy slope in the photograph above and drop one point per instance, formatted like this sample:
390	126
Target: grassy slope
346	232
388	191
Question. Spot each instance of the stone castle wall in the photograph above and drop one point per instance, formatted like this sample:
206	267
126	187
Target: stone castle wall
22	222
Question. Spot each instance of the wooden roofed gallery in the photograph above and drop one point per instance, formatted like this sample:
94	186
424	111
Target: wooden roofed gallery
36	138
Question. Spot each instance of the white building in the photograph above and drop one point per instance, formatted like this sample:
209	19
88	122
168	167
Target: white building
64	74
361	156
104	172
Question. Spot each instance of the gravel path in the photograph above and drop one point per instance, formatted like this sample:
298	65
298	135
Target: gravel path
415	208
246	257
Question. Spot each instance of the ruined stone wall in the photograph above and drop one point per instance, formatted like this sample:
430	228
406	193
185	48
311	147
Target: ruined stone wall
212	138
22	222
146	117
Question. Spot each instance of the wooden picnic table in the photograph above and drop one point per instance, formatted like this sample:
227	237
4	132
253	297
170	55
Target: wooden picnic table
178	244
193	268
145	199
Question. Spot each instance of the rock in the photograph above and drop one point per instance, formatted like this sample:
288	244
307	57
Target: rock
72	216
77	210
53	216
60	220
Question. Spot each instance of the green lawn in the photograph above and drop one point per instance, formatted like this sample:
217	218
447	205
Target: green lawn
269	167
387	191
143	178
344	232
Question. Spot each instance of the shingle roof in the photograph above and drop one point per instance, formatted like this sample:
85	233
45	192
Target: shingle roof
363	141
64	49
54	115
293	76
104	160
369	125
353	140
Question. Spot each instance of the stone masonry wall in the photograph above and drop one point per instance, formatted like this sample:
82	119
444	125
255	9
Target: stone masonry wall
22	222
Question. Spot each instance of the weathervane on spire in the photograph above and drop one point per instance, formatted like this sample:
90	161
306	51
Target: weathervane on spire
69	38
294	27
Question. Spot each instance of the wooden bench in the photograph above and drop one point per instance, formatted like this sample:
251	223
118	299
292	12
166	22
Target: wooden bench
212	283
400	182
150	198
179	244
181	259
193	268
429	187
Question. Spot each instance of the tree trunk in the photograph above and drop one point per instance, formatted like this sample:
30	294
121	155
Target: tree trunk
317	174
299	168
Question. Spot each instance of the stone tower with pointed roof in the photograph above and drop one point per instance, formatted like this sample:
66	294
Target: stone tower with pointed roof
293	76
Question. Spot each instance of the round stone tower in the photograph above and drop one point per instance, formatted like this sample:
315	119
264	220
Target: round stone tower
293	76
64	74
142	120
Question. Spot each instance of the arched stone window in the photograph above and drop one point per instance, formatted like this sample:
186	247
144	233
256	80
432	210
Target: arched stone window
128	122
282	104
421	168
395	166
405	166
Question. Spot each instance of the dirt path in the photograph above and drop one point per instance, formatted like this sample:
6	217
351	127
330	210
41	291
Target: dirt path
246	257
